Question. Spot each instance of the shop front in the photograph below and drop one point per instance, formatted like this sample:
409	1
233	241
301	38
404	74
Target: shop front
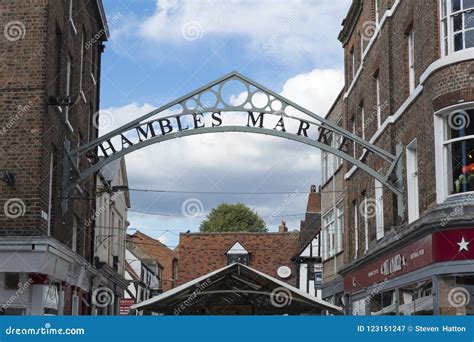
433	275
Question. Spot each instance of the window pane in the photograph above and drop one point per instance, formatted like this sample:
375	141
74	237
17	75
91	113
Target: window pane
460	123
462	166
468	4
469	38
416	299
456	5
443	8
457	23
468	20
458	42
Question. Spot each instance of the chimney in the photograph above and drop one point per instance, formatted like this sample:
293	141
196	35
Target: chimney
282	227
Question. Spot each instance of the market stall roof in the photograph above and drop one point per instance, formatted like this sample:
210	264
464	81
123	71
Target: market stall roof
238	290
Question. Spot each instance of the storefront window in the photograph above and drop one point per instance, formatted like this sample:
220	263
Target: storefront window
383	303
416	299
457	25
456	295
459	145
358	307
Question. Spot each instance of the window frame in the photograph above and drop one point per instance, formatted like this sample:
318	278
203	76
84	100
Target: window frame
366	222
356	228
379	217
413	193
339	238
328	230
447	34
411	61
441	151
378	103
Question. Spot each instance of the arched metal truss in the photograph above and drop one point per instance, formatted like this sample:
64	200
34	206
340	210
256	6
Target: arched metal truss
259	102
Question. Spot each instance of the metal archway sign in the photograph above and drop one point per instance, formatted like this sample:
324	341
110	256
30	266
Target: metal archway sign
256	109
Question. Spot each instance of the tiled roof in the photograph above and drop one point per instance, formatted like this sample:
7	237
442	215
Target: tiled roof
201	253
154	249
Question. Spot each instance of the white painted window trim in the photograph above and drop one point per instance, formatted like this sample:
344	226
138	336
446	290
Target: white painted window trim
93	79
377	94
441	165
449	24
339	237
328	226
413	194
388	13
376	10
356	229
71	20
457	57
366	223
68	90
379	213
411	61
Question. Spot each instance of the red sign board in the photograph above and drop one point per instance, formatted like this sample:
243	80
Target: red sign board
448	245
125	305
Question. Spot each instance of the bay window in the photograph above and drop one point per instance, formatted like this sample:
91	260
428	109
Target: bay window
459	151
457	25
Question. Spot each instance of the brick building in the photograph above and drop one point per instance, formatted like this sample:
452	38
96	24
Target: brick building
201	253
147	248
237	274
49	77
409	81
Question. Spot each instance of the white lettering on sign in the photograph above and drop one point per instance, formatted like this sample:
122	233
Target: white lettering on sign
417	254
392	265
372	273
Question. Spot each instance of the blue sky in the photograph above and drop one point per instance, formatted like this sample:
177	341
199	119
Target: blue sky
160	50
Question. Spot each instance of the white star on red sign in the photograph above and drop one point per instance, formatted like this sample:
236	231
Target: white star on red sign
463	245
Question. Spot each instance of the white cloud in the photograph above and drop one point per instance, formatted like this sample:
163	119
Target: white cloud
315	90
229	162
286	29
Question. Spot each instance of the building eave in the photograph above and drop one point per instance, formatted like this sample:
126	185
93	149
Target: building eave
350	21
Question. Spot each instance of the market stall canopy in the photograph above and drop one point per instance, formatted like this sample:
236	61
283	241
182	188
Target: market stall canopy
236	290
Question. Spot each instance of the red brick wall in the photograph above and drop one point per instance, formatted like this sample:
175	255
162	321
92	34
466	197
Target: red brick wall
447	86
202	253
28	74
